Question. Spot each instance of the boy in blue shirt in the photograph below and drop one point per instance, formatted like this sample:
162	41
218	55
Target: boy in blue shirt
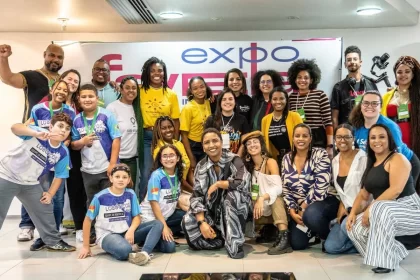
22	167
96	133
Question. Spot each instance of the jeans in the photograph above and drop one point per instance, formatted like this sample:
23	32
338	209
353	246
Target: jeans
149	232
317	218
57	201
338	241
197	150
147	164
174	221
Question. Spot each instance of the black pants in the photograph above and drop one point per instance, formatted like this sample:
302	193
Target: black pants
197	150
319	137
76	190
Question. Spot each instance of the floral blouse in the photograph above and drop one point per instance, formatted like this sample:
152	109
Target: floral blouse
312	184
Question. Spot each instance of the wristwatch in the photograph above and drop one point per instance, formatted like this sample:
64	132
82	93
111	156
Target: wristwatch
200	222
330	146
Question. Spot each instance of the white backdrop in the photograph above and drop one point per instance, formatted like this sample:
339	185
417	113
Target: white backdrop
210	60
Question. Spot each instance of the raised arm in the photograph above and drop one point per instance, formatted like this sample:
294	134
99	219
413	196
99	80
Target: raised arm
15	80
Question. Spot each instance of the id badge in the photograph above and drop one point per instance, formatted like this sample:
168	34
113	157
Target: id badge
226	141
301	113
255	190
403	112
358	99
302	228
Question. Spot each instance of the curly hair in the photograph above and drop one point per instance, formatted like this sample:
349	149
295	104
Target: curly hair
179	168
190	96
157	134
255	82
356	117
303	64
240	74
250	165
145	70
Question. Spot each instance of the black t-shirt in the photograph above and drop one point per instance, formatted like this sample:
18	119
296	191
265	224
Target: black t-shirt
236	127
244	106
277	133
343	96
37	87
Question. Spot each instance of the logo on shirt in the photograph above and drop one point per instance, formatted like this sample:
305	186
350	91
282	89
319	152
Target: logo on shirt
155	191
92	208
44	123
53	158
244	108
153	104
126	206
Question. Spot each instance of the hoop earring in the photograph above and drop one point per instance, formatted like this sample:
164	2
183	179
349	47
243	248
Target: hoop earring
248	157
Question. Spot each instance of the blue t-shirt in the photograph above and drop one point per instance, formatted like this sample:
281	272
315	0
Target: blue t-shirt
32	159
362	134
41	115
107	95
159	189
95	159
113	213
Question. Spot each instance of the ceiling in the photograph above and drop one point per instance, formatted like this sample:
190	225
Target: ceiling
91	16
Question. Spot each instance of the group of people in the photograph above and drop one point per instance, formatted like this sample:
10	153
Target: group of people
296	168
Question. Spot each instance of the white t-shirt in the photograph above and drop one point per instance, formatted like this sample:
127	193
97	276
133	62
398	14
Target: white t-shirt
128	126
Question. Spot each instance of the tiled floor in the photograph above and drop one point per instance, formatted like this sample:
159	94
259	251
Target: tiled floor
17	262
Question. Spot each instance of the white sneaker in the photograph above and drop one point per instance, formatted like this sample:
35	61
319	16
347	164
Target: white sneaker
26	234
79	235
140	258
63	230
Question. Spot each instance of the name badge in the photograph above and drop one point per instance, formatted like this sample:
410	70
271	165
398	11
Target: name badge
403	112
301	113
226	141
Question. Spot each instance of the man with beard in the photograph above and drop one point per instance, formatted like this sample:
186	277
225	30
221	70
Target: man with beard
107	93
35	83
348	92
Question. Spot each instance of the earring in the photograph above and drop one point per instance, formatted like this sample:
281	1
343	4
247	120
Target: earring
248	157
263	154
352	146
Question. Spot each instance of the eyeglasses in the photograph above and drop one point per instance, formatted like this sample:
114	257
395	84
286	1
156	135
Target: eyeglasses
97	69
346	137
168	157
373	104
268	82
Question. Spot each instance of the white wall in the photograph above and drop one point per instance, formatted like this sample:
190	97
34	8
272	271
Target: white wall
28	47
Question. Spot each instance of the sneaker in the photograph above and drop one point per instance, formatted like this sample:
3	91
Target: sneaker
136	248
63	230
26	234
140	258
38	245
79	235
62	247
282	244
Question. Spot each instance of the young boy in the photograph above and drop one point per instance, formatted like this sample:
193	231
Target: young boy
41	115
95	132
22	167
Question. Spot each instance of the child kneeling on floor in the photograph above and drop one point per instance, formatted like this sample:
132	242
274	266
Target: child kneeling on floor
117	213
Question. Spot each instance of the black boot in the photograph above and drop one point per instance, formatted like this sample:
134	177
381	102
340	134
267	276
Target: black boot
381	270
282	244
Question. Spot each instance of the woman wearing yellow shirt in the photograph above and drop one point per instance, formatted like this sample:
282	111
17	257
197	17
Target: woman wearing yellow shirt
193	117
156	99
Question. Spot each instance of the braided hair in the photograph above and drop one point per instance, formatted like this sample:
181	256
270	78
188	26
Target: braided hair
145	70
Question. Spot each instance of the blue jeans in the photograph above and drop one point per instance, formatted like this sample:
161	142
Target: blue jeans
338	241
174	221
317	218
58	202
147	164
149	232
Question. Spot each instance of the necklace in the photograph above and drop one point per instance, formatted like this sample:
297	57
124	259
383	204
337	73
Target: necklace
51	78
277	119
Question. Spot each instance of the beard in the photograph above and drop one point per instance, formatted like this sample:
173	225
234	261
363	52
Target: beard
353	69
53	68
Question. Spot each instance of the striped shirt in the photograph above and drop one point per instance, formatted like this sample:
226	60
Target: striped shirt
316	105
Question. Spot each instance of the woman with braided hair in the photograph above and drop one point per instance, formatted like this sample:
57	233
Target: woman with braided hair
155	99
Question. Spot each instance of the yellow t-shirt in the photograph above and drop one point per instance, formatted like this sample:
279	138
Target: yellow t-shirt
181	149
155	103
193	117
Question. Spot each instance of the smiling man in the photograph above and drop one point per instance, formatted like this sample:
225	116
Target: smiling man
35	83
100	79
348	92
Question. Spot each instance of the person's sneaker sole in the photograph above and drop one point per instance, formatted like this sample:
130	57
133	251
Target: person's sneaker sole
138	258
61	250
285	251
24	239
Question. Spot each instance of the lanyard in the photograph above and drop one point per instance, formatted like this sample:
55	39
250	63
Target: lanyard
224	126
91	128
52	111
297	102
174	189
